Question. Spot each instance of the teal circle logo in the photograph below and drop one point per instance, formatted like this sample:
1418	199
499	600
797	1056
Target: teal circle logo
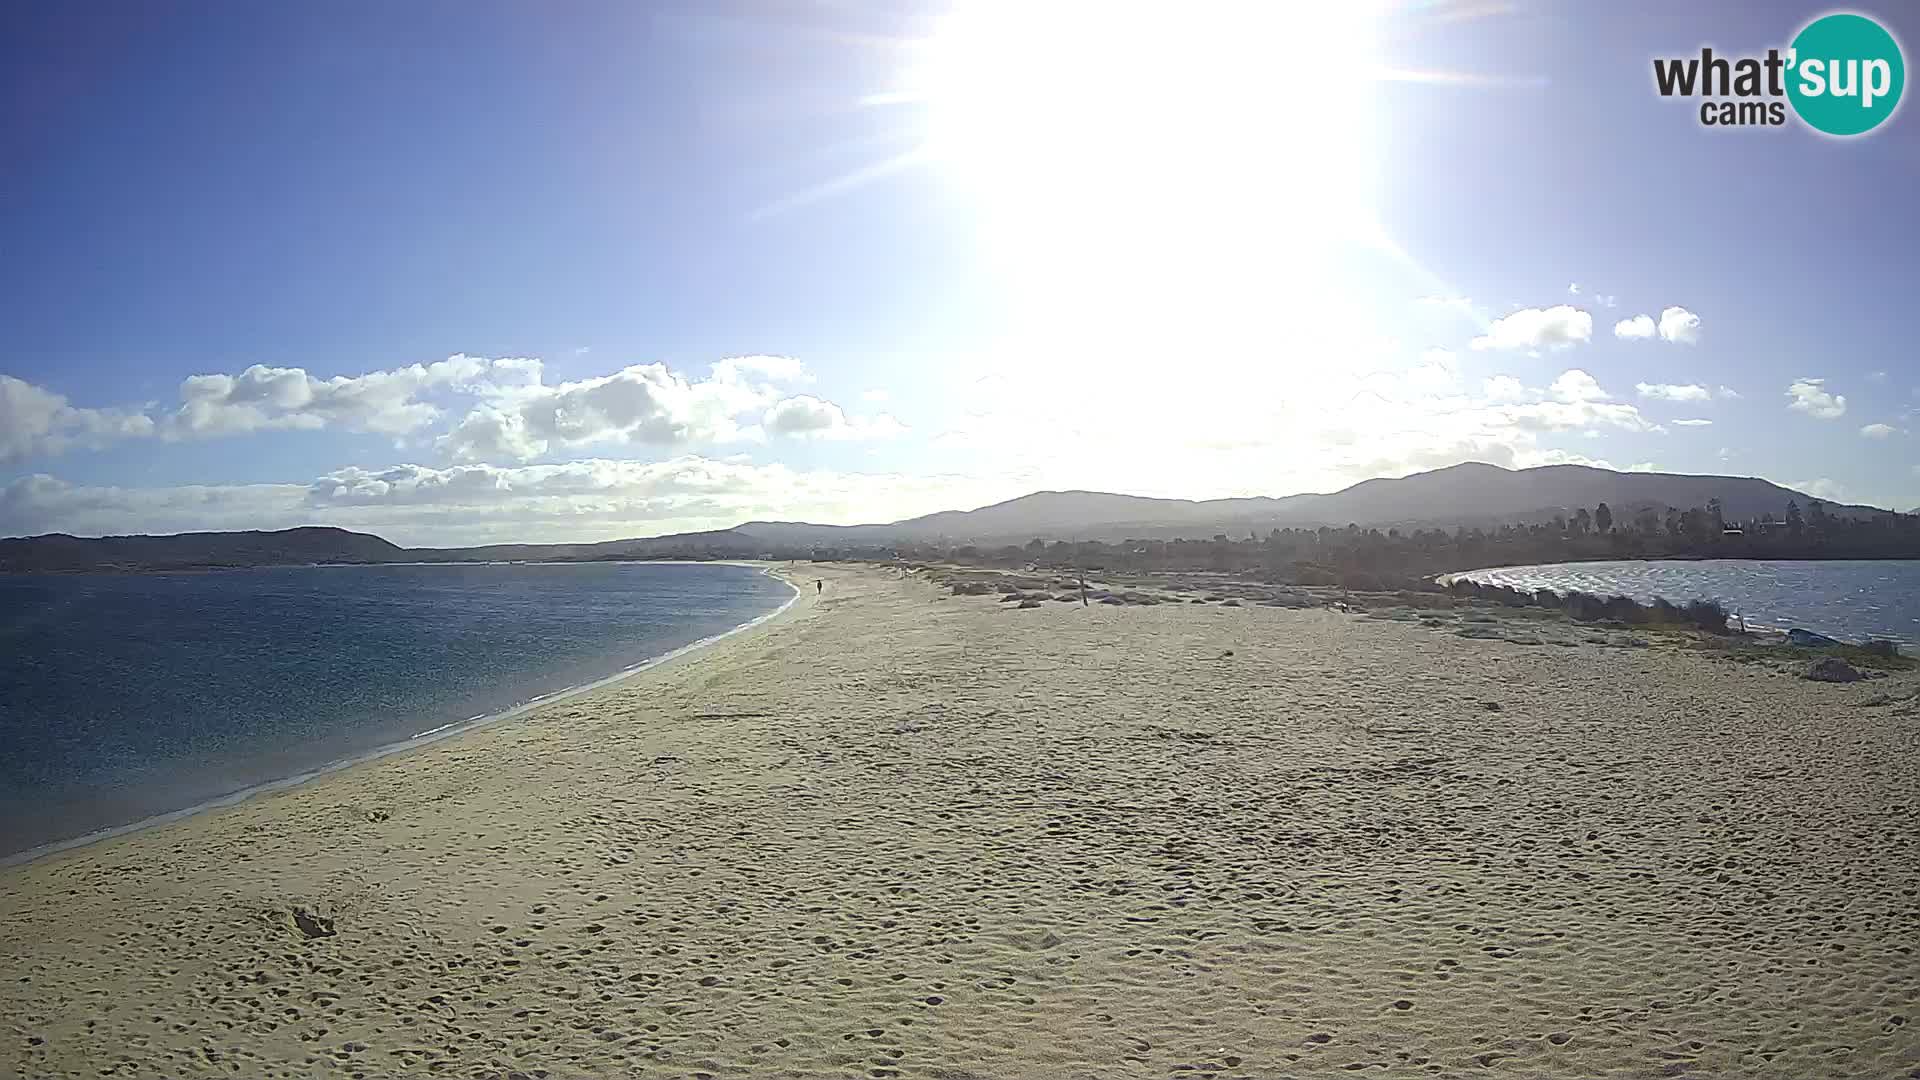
1845	74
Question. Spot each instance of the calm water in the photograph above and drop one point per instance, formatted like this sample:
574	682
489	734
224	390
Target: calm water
1851	600
124	696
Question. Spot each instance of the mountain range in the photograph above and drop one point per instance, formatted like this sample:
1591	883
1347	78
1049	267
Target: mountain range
1468	494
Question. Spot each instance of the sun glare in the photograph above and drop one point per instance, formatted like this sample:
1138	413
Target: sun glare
1221	132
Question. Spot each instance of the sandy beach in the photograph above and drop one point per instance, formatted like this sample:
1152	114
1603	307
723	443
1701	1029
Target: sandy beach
896	832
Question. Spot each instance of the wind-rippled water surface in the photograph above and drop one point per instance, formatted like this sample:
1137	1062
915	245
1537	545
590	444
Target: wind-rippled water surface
1847	599
124	696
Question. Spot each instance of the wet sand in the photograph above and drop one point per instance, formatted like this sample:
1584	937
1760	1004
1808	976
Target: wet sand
895	832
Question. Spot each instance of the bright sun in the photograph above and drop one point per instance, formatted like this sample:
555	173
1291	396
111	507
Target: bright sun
1222	134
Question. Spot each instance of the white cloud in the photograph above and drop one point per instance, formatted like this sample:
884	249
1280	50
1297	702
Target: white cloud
1504	388
385	402
1638	328
1821	488
804	415
1726	392
516	416
808	417
1575	385
40	503
1556	327
35	421
576	501
1604	300
1679	326
780	369
1810	396
643	405
1674	391
875	395
1563	457
1879	431
1438	372
1696	422
490	432
1582	415
1573	288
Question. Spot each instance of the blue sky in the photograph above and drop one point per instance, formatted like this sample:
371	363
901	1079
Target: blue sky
466	272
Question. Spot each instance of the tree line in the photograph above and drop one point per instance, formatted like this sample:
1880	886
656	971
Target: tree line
1393	558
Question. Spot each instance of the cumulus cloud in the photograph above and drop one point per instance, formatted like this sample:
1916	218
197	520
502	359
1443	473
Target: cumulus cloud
40	503
807	417
1879	431
1679	326
35	421
641	405
1811	396
1821	488
1504	388
386	402
510	412
1577	403
741	400
1437	372
1557	327
1575	385
1579	415
1673	391
742	369
804	415
1638	328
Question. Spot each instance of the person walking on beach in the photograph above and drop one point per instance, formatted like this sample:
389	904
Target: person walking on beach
819	586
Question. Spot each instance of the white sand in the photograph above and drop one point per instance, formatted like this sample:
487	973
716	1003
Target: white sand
901	833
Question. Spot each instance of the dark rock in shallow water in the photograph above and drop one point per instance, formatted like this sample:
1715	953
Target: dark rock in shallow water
1809	639
1832	669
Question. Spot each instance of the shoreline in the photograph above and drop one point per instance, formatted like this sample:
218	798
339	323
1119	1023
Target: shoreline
419	740
901	832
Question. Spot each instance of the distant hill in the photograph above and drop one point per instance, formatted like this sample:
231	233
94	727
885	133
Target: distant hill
298	547
1469	494
718	542
58	551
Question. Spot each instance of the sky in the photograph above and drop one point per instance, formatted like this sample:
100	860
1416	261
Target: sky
471	272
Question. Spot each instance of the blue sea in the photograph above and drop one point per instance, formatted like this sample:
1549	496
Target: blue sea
1848	599
127	696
